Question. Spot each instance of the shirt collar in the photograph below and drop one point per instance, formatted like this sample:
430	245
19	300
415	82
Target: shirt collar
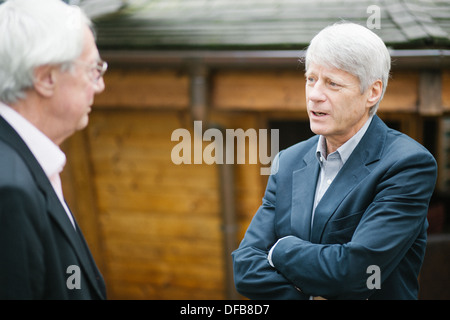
347	148
46	152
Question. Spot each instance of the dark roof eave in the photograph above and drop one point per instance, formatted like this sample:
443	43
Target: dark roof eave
401	58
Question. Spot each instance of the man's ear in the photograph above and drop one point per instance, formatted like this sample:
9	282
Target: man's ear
44	80
374	93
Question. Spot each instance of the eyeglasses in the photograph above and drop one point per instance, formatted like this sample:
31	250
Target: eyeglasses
97	70
101	67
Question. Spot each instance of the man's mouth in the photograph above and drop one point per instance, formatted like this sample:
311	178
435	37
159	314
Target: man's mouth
319	114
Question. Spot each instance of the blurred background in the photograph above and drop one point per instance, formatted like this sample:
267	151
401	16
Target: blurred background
164	231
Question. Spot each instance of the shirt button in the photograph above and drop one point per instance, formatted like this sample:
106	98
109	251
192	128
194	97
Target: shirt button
329	181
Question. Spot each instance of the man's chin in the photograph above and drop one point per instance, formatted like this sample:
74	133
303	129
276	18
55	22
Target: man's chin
83	123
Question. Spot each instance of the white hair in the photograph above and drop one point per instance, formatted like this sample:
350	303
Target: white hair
353	49
35	33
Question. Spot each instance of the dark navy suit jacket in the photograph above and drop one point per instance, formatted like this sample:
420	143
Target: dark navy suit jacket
39	248
373	214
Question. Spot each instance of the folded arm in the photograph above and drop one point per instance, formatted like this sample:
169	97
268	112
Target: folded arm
254	277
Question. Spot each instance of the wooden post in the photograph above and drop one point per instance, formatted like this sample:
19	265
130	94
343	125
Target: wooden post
430	93
199	91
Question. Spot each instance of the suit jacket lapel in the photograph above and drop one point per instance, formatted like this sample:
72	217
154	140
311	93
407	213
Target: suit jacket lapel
354	171
348	177
55	208
93	273
304	181
76	239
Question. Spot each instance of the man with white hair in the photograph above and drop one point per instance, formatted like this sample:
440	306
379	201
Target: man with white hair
50	71
344	213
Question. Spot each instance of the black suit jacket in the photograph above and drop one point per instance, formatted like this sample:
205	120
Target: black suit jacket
42	256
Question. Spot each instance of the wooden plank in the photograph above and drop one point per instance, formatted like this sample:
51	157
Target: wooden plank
132	88
258	90
160	225
165	181
129	171
169	274
166	279
124	290
170	249
402	92
265	90
177	202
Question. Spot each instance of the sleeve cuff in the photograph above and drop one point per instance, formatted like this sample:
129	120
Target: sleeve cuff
269	255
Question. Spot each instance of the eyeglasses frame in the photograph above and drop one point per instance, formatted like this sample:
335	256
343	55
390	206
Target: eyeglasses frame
101	66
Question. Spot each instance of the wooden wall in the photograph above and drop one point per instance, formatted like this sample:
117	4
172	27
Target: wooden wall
155	228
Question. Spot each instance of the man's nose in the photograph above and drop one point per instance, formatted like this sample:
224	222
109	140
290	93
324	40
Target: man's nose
100	85
316	93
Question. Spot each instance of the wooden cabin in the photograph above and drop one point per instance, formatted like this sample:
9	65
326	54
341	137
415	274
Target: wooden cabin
160	230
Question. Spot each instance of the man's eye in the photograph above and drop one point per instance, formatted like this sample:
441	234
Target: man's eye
334	84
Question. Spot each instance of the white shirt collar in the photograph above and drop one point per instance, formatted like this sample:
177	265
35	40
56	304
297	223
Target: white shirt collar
347	148
46	152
